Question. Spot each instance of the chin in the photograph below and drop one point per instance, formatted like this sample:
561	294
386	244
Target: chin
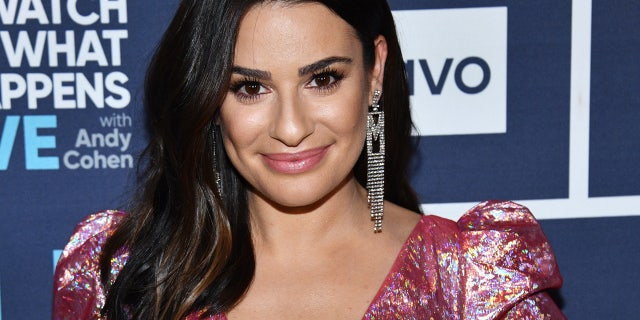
298	200
297	203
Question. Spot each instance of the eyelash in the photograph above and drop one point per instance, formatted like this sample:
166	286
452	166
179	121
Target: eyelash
333	73
239	86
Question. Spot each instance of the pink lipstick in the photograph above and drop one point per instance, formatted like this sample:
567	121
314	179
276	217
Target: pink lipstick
298	162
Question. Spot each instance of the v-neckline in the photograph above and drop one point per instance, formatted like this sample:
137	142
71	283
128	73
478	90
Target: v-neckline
396	266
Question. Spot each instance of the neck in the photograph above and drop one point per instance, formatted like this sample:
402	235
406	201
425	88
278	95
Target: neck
336	216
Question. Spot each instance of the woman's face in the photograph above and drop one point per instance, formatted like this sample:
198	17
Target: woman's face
294	118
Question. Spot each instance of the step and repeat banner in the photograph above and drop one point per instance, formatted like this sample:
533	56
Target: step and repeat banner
534	101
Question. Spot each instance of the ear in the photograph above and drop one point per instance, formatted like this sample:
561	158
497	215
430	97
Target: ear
377	73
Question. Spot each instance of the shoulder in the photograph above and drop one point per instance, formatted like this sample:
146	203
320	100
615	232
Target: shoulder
505	258
494	232
78	292
507	234
493	263
497	215
93	227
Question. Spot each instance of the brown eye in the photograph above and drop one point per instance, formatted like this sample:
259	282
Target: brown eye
252	88
248	91
323	80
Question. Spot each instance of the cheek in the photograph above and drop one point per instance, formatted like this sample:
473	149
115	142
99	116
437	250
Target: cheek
347	116
241	127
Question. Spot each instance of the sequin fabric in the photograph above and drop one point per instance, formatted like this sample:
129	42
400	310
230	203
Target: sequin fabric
495	263
78	292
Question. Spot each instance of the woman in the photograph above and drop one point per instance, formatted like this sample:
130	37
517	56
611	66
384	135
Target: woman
273	123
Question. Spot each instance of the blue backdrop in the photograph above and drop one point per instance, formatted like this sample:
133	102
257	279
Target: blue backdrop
553	85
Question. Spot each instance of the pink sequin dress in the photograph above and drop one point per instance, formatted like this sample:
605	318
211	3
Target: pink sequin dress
495	263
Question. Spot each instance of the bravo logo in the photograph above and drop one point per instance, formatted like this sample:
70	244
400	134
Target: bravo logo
456	61
435	87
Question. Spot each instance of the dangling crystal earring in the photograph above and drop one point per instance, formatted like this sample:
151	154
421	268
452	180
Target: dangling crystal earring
375	161
216	170
218	182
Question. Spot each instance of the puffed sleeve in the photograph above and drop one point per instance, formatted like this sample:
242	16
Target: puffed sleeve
507	264
77	290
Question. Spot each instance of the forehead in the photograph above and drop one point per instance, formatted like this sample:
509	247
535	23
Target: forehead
304	32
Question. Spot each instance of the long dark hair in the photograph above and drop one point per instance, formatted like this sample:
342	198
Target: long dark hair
189	244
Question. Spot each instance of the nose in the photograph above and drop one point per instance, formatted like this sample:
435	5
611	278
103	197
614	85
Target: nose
292	120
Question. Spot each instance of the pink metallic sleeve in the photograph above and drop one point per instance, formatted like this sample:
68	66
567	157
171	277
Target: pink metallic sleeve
77	291
508	262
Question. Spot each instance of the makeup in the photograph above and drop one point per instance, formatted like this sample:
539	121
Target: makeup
298	162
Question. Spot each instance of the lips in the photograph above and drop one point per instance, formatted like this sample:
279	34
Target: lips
298	162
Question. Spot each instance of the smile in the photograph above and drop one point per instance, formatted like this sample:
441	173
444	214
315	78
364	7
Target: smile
299	162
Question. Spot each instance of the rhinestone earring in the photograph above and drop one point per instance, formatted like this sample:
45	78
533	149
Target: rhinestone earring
216	167
375	161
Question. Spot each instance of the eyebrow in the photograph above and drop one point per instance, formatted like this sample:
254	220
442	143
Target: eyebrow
322	64
253	73
311	68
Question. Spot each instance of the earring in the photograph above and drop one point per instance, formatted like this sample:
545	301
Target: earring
216	170
375	161
218	182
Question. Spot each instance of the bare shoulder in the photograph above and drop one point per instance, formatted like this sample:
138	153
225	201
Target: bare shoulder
399	222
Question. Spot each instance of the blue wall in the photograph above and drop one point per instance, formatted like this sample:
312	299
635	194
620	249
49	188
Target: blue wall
569	147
